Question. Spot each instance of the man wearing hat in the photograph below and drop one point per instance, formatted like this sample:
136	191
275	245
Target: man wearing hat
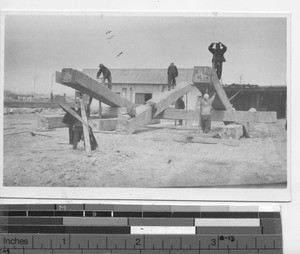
106	74
205	109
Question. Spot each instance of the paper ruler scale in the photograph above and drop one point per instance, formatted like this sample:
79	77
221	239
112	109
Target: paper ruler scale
122	229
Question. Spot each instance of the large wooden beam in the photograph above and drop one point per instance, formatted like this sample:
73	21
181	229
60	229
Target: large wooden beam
67	109
34	104
221	115
194	139
145	113
163	100
86	131
129	125
85	84
204	75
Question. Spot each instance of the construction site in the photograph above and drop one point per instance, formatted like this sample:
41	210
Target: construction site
142	144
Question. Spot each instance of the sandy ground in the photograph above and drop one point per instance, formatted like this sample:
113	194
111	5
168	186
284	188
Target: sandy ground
139	161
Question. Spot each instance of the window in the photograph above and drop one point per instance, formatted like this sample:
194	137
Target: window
141	98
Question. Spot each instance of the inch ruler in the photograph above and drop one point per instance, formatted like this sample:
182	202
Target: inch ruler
140	244
135	229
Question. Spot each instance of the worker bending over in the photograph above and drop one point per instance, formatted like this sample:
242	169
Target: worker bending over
106	75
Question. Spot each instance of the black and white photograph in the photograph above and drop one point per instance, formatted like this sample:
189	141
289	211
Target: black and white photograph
146	100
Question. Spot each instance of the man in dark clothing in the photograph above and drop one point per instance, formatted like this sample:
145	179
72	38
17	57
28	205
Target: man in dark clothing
218	56
70	121
106	75
78	135
180	105
76	130
172	74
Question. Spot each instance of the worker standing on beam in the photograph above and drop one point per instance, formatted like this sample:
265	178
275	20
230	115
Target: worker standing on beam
205	113
172	75
106	76
218	50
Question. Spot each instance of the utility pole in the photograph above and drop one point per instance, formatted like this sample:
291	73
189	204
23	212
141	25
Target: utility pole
35	78
51	87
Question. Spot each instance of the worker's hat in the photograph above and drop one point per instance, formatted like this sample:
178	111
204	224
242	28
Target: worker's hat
100	65
206	96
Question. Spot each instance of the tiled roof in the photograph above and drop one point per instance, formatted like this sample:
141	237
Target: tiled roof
143	76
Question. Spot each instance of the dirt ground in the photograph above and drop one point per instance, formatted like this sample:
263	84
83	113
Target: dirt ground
139	161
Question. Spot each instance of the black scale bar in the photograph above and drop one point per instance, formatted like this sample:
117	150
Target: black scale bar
97	213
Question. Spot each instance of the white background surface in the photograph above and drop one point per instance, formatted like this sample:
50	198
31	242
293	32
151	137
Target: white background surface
290	210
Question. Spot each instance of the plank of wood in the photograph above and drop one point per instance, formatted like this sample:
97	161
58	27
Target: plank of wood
86	134
37	134
27	104
221	115
165	99
67	109
15	133
85	84
205	140
220	91
194	139
204	75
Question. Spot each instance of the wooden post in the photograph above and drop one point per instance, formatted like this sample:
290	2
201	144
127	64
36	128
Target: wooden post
100	110
88	150
85	84
186	106
200	115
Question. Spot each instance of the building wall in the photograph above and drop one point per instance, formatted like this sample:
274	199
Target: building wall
261	100
129	92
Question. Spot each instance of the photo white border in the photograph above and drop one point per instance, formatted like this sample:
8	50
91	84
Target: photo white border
154	194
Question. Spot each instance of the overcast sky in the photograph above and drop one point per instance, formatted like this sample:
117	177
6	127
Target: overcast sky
38	45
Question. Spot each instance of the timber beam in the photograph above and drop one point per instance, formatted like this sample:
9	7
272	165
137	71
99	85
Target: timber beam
152	108
86	85
221	115
165	99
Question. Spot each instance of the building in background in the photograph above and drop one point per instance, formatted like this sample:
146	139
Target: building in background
139	85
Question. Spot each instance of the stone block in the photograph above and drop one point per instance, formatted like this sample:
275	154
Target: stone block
47	122
233	131
108	124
